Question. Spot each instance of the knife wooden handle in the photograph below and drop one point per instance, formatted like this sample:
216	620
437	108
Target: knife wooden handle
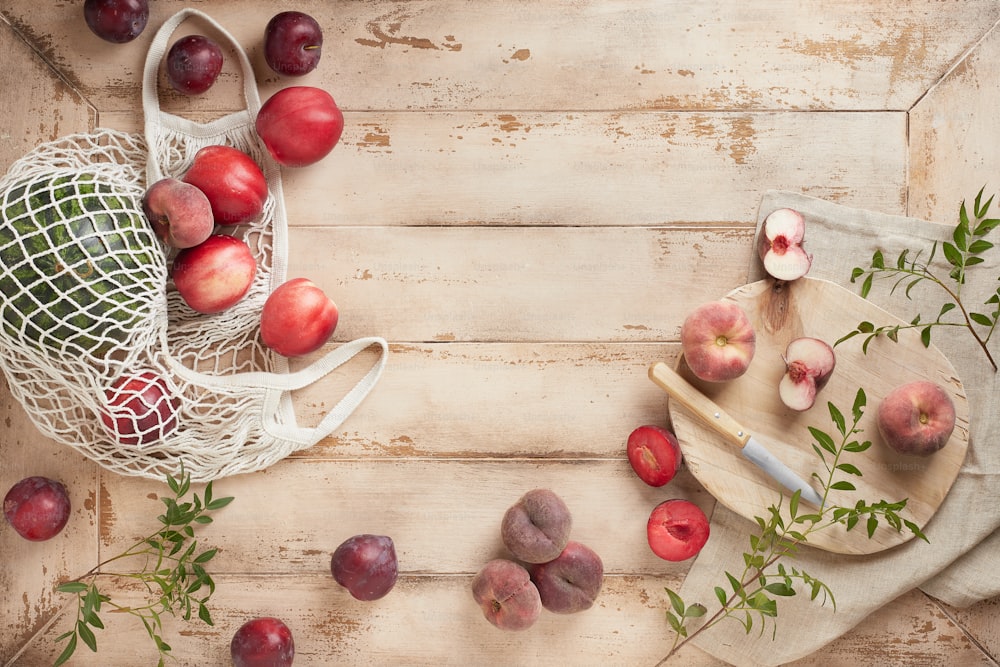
688	395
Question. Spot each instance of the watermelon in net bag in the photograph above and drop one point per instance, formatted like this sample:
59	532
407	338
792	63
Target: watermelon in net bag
97	345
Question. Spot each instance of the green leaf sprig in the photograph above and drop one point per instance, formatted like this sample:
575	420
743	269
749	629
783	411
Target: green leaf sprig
751	596
172	571
965	250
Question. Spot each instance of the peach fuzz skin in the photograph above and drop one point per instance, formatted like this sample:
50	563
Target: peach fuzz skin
916	418
718	341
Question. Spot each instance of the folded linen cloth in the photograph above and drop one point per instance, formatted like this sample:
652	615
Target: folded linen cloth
964	537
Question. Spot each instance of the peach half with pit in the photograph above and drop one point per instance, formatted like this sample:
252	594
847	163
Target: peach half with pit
780	245
809	362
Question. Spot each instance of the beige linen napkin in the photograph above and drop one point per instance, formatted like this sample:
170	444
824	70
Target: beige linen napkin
963	534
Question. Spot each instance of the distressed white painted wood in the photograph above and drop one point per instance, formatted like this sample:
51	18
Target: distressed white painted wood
528	198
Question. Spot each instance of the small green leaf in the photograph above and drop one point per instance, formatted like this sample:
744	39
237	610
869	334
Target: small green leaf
219	503
986	226
866	285
824	440
204	614
720	595
72	587
858	407
843	486
872	525
979	246
838	418
87	636
67	652
979	318
856	447
961	233
878	261
695	611
736	585
981	210
952	254
849	469
780	588
793	504
945	308
915	529
676	625
676	602
206	556
925	336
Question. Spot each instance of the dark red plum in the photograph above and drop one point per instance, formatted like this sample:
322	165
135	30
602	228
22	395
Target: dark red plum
366	566
293	43
37	508
263	642
193	64
116	21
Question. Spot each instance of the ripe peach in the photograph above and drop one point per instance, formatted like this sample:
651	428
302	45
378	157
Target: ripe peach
779	245
677	530
571	582
536	528
504	591
916	418
179	212
718	341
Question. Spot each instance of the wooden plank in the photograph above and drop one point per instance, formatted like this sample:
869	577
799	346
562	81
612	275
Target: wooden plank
417	284
451	54
425	620
526	168
432	620
472	400
290	518
980	622
952	153
909	630
477	141
44	108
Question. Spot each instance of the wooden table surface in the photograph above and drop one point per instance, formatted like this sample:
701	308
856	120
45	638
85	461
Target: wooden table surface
528	198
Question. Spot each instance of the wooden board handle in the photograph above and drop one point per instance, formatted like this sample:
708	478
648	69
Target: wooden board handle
688	395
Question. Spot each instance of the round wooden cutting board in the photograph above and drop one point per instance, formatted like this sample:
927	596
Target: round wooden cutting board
780	312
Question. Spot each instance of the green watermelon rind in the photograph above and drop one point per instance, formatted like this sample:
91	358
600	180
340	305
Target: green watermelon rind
79	264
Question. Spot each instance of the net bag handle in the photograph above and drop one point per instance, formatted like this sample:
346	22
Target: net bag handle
278	417
154	116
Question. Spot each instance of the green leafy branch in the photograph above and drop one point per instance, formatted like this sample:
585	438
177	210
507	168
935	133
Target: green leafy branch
751	596
173	573
965	250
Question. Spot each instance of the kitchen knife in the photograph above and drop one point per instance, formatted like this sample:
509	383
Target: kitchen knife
725	425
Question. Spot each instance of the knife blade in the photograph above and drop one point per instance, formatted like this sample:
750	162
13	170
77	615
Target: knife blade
730	429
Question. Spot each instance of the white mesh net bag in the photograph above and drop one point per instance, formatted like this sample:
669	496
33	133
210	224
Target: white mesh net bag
97	346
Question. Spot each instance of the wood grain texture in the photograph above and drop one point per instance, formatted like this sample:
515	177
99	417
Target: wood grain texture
568	54
527	200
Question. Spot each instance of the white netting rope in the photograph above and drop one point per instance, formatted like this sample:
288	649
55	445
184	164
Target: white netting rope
90	321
